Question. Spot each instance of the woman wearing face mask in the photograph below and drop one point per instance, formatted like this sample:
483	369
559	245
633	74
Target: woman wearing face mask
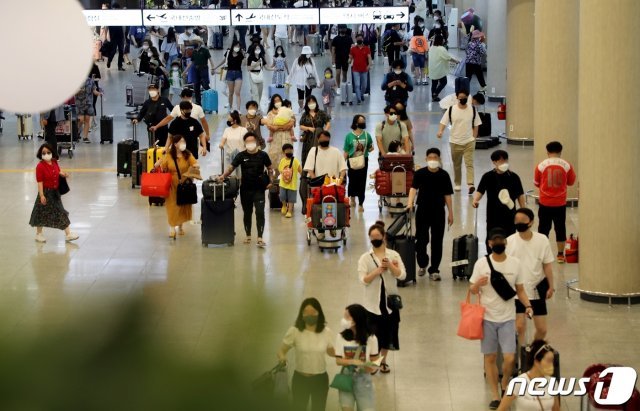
357	352
439	59
378	271
540	365
253	121
232	141
48	210
280	67
401	109
311	341
146	54
177	158
439	29
279	134
358	143
257	64
303	75
234	58
169	47
397	84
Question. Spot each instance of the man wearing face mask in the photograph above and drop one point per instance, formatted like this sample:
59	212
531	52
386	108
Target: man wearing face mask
153	111
534	252
433	188
253	164
200	59
340	47
393	41
190	129
196	113
464	121
500	314
253	122
136	36
360	59
397	84
392	129
503	188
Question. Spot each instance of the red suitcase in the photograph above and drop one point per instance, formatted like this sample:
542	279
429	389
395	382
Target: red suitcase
391	161
385	184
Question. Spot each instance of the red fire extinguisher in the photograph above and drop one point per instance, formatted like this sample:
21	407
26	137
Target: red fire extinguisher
502	112
571	250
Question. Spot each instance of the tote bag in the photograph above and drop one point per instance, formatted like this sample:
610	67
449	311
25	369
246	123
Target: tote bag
471	318
155	184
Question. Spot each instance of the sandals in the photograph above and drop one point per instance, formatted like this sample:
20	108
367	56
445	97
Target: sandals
261	244
384	368
180	231
172	234
247	240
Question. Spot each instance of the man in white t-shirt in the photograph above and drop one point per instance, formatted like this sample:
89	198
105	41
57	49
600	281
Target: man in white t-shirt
281	38
500	314
187	39
464	121
196	112
328	160
534	252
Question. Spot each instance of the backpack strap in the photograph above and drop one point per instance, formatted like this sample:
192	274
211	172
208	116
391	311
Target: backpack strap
473	119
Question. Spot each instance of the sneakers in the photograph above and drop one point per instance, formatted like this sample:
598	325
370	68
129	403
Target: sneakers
40	238
456	188
471	189
560	258
483	89
283	210
435	276
86	141
422	272
361	209
72	236
288	215
337	92
353	202
435	99
493	405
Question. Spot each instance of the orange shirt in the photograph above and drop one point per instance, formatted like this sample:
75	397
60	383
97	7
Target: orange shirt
419	44
552	176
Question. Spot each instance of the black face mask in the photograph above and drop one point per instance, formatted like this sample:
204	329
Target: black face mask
499	248
187	114
362	126
289	155
229	123
359	42
376	243
522	227
463	101
323	144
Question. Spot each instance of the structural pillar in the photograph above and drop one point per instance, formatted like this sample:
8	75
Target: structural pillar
520	43
609	150
555	79
496	32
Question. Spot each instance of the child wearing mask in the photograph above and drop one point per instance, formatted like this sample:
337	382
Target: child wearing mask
280	67
176	83
328	87
290	169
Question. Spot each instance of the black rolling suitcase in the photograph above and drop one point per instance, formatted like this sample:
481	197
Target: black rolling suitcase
462	85
401	239
465	253
217	210
106	126
125	153
484	130
274	196
211	189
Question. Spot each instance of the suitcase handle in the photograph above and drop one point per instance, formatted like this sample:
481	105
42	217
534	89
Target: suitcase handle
222	160
135	131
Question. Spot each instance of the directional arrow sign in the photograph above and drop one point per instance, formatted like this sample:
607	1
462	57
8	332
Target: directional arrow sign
206	17
249	17
364	15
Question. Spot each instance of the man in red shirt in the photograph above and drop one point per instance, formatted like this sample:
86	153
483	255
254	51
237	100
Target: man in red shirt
552	176
360	59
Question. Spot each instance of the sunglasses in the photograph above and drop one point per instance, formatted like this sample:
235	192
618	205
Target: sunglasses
546	348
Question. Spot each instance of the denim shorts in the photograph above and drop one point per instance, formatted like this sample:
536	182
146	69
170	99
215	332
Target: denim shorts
288	196
502	334
233	75
362	394
418	60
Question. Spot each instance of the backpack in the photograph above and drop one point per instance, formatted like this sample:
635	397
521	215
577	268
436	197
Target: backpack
473	120
287	172
387	41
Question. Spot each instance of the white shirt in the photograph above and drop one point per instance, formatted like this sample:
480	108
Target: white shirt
196	111
311	349
497	309
281	31
371	296
532	254
185	37
347	349
529	403
234	139
330	161
461	129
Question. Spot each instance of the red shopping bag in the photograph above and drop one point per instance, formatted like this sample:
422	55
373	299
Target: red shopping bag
155	184
471	318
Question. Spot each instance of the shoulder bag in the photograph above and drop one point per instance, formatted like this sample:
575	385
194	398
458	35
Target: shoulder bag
257	78
63	185
344	382
394	301
317	181
187	193
500	283
356	162
311	79
287	172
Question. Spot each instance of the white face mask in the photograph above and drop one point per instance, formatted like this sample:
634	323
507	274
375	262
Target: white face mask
251	112
145	47
312	106
236	49
47	157
182	146
188	32
433	164
437	26
251	146
503	167
345	324
421	25
153	93
308	56
257	52
393	117
277	104
175	69
398	72
149	54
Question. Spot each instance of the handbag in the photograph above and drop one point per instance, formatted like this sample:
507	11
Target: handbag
471	318
394	301
155	184
63	185
257	78
357	161
311	79
187	192
287	172
317	181
344	382
461	69
500	283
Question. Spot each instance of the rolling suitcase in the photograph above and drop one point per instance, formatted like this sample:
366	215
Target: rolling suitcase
315	42
25	126
462	84
217	211
274	196
139	161
229	188
124	154
346	94
106	126
401	239
148	164
484	130
210	101
465	253
276	89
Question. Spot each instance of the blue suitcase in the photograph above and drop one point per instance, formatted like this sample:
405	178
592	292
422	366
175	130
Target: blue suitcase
275	89
210	101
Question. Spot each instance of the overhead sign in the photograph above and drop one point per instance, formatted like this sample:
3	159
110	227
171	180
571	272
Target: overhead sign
249	17
202	17
113	17
364	15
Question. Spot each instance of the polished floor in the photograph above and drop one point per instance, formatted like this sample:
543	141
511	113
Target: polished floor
238	302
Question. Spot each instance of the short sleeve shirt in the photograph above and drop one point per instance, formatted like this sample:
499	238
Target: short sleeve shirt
190	129
432	188
497	309
347	349
532	253
342	44
360	57
391	132
252	167
48	174
330	161
461	127
491	183
310	349
285	163
196	111
201	56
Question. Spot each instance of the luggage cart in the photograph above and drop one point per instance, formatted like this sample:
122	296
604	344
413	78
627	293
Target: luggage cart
136	92
65	130
393	189
326	216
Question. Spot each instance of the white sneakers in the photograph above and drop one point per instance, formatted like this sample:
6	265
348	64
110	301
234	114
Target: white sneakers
337	92
457	188
40	238
72	236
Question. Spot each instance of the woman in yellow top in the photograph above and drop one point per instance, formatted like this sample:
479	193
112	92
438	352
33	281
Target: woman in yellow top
178	156
290	169
419	48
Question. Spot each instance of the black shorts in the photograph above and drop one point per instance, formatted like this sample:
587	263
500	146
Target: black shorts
555	215
539	307
342	64
386	329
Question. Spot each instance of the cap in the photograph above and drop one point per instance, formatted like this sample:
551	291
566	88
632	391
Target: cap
497	232
153	85
306	50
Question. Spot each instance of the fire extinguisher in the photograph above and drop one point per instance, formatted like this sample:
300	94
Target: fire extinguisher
502	112
571	250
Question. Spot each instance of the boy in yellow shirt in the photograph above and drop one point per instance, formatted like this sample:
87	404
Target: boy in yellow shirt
290	170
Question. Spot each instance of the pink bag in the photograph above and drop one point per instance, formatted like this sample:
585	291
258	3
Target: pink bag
471	318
